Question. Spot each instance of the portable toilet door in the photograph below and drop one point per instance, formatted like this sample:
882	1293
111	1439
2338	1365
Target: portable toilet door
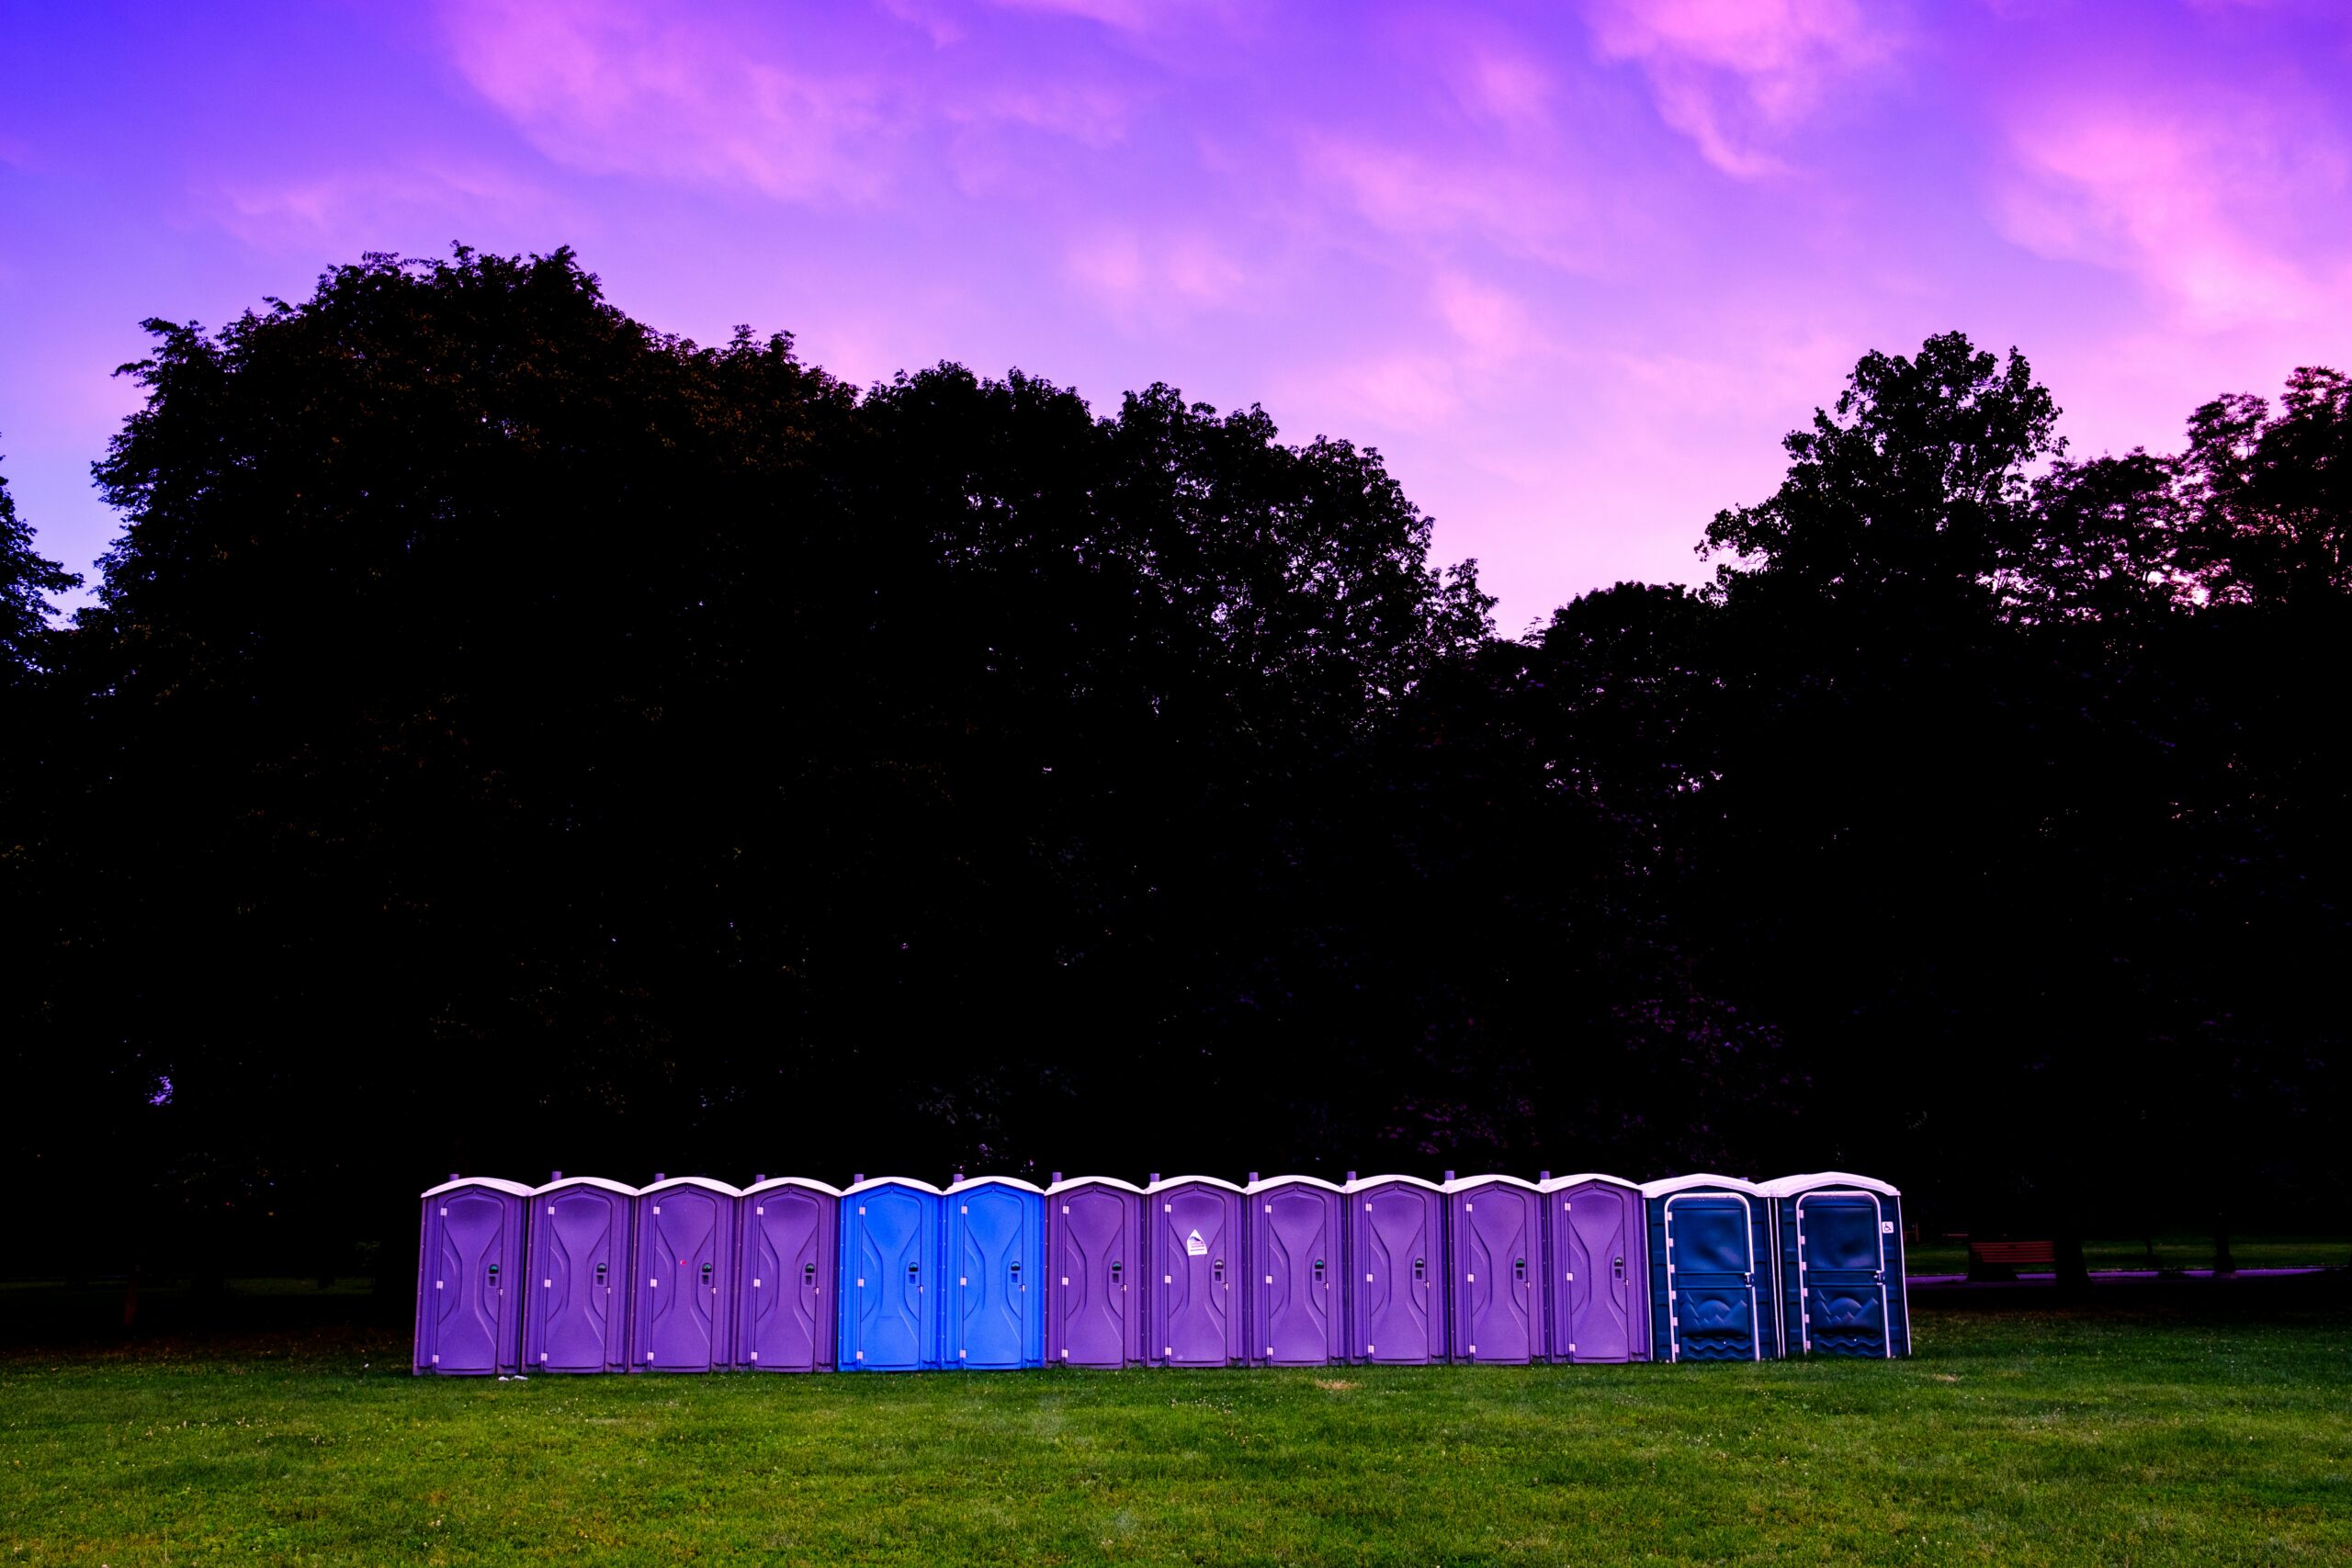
683	1318
1597	1261
1495	1245
469	1254
1842	1290
995	1309
1194	1234
892	1247
575	1312
784	1274
1297	1307
1396	1297
1094	1296
1712	1297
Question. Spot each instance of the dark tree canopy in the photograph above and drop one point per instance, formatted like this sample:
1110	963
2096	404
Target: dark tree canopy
506	736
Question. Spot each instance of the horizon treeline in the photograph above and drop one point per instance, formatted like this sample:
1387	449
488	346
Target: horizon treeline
507	737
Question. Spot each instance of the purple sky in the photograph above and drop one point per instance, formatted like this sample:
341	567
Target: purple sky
1574	267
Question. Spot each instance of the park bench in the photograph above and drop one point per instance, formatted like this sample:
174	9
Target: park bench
2002	1259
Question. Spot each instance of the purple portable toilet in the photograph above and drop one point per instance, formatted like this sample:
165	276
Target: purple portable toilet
1094	1314
1596	1269
468	1254
682	1317
1194	1237
1495	1244
576	1319
784	1275
1397	1296
1298	1314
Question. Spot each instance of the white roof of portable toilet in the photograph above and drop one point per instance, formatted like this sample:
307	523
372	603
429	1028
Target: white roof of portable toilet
1788	1185
1703	1179
493	1182
1362	1182
1294	1181
971	1181
813	1185
920	1186
1093	1181
1556	1183
1206	1181
561	1182
1460	1183
702	1181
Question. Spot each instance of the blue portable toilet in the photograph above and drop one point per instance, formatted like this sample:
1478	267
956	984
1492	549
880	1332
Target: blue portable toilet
1495	1270
1297	1314
682	1317
994	1315
469	1257
1194	1236
893	1233
1397	1295
1095	1302
1842	1290
786	1255
1712	1296
1597	1264
576	1307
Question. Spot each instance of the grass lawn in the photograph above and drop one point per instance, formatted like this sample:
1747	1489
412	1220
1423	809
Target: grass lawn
2190	1429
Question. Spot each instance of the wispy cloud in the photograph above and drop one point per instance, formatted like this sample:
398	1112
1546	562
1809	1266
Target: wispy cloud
2231	211
1733	76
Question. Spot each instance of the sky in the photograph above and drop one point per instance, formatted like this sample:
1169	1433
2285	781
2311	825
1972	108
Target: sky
1573	267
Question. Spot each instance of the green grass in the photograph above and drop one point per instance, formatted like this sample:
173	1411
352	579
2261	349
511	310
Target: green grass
2156	1436
1932	1256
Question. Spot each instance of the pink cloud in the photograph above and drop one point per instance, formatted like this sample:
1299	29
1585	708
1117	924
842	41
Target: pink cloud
2233	211
1733	74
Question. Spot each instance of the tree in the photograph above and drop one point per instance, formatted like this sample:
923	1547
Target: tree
28	582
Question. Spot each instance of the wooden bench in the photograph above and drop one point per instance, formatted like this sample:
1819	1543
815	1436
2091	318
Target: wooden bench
2002	1259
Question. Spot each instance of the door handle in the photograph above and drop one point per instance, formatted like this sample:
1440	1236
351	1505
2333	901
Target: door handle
1015	1266
1621	1268
1519	1271
1115	1267
1319	1272
1421	1271
1216	1269
706	1277
807	1276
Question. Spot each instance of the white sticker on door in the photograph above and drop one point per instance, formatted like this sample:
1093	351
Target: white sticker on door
1194	1246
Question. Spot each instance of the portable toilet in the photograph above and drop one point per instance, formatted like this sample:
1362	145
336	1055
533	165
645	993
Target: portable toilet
893	1242
788	1253
575	1312
1596	1262
469	1254
1095	1315
1495	1248
1842	1290
1396	1297
683	1315
1194	1236
995	1310
1712	1296
1297	1310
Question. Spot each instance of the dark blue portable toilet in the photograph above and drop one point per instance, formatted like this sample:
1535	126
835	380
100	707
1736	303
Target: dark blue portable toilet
1495	1270
1094	1294
893	1243
1597	1267
1298	1312
1842	1290
786	1253
575	1312
1194	1234
469	1257
1711	1292
683	1318
994	1315
1397	1296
